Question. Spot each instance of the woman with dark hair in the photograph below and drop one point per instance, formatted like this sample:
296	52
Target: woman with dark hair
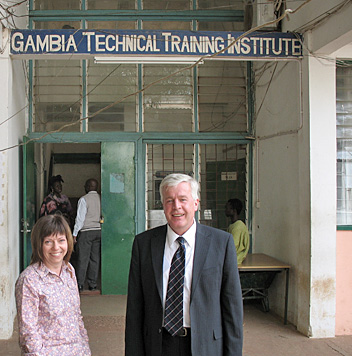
47	298
56	202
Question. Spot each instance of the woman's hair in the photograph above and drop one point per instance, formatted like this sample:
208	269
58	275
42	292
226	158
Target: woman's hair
53	180
174	179
46	226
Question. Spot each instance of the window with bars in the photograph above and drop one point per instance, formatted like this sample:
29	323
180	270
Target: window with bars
108	94
210	98
57	93
163	159
107	85
111	94
344	142
220	4
111	4
222	96
57	5
132	4
168	103
223	176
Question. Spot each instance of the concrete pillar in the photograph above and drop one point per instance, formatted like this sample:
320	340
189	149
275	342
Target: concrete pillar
322	128
12	128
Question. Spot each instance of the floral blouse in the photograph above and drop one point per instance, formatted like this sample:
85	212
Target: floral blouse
52	204
49	315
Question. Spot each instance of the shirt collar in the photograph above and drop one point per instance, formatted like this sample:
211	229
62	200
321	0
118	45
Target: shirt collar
189	235
43	270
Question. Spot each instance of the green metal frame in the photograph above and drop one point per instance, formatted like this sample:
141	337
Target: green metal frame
344	228
136	14
141	138
132	15
250	105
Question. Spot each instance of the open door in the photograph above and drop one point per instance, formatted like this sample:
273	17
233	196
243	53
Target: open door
118	210
28	201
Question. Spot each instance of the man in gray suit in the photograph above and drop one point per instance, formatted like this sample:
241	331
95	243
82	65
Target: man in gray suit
211	300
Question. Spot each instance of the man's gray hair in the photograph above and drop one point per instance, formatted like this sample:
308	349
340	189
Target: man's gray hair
174	179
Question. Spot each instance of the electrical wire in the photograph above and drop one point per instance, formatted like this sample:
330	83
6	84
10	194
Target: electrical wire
280	18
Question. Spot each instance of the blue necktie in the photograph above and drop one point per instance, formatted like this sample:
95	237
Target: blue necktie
173	319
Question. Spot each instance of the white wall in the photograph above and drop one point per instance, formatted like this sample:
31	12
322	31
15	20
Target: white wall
11	101
296	172
327	28
12	107
322	113
281	211
328	22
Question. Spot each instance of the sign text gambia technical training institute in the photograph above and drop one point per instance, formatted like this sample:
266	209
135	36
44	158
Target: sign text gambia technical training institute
86	43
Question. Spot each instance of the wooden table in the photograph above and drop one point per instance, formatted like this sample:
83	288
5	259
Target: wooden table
258	264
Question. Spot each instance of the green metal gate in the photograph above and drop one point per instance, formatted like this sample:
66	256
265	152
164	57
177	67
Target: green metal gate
118	210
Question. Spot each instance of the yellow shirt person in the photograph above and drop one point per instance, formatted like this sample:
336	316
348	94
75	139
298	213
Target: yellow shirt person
237	228
240	235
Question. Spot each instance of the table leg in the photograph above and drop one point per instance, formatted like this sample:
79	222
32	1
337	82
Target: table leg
286	295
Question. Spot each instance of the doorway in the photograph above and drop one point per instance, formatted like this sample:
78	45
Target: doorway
129	175
112	164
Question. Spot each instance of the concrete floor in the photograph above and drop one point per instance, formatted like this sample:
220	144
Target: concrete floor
264	334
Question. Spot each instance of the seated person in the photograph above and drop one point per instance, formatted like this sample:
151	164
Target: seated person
237	228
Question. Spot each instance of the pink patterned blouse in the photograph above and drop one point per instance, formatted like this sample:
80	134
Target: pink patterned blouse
49	315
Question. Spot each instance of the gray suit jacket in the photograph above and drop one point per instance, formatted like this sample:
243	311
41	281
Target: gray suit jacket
216	306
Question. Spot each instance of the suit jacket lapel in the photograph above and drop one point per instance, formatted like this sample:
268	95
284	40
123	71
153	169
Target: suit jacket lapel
157	252
200	255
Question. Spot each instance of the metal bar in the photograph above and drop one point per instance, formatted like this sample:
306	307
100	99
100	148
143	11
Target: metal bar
286	294
159	137
257	290
140	186
140	118
24	199
84	95
160	15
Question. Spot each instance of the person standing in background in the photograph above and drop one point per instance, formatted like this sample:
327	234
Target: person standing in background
56	202
87	236
238	229
47	300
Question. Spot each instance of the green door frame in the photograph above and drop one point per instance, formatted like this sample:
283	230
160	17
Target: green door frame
197	142
140	140
140	145
118	199
28	204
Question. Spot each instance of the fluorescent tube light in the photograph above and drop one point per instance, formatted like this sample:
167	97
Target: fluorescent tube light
147	60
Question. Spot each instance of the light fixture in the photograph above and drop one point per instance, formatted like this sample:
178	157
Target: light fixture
148	60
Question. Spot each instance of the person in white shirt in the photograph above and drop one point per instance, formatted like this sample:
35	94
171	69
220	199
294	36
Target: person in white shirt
87	236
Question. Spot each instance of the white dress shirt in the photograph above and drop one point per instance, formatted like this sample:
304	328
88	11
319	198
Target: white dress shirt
82	211
81	215
171	246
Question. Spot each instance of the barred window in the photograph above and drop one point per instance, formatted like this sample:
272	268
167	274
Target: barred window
344	142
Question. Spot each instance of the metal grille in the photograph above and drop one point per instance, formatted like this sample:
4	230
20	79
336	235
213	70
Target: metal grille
163	160
168	103
222	96
344	143
57	93
223	177
108	84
